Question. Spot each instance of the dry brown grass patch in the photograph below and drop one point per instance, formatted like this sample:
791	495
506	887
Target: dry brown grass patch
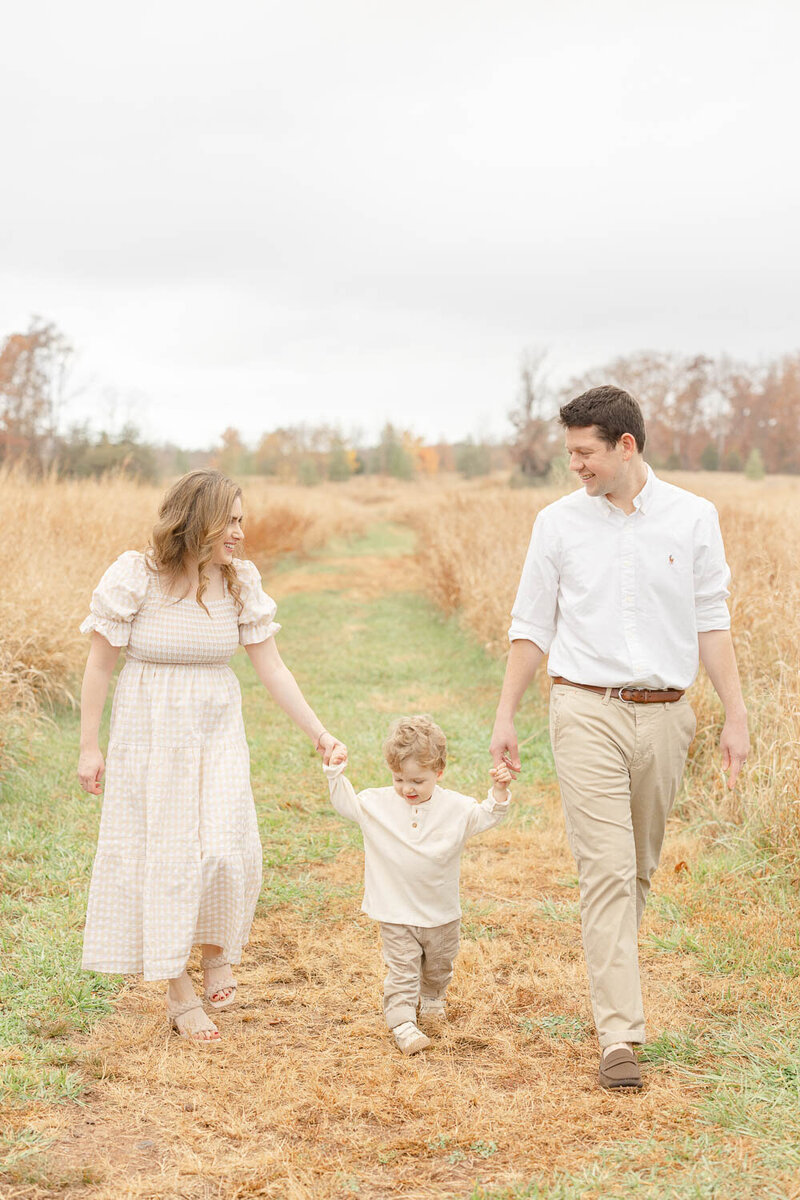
366	577
308	1097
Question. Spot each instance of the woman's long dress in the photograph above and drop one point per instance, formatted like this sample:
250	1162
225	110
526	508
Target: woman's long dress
178	858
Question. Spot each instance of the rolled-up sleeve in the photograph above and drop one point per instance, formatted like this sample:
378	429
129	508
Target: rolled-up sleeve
533	617
712	575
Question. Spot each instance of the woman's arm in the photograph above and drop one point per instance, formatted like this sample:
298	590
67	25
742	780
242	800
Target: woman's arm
96	678
285	691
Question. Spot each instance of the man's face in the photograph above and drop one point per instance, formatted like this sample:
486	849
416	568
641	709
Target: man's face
599	466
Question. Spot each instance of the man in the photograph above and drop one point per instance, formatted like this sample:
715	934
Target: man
624	585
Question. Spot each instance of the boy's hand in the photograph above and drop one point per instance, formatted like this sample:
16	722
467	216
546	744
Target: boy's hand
338	755
502	777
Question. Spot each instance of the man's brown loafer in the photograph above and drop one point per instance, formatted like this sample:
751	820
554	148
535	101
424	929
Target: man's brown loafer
619	1069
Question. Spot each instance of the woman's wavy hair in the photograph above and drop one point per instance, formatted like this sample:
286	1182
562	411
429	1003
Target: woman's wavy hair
192	519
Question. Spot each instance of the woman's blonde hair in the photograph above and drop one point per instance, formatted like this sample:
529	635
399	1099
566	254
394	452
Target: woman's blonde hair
192	519
416	737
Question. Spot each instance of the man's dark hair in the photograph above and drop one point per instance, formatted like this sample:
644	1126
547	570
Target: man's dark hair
613	411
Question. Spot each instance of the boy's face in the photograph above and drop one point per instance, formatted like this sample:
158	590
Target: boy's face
414	782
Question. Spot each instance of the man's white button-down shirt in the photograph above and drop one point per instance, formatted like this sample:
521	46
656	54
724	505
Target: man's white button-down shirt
619	600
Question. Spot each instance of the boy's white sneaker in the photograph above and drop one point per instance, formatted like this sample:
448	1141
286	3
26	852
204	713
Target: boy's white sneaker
432	1007
409	1039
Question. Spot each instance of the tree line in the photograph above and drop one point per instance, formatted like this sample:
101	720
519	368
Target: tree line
701	412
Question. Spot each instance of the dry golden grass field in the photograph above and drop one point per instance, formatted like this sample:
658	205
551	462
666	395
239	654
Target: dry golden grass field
306	1098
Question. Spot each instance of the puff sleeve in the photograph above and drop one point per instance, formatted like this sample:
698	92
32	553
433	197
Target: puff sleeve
117	598
256	620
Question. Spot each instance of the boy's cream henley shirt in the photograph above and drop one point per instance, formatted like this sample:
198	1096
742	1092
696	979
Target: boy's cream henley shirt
412	852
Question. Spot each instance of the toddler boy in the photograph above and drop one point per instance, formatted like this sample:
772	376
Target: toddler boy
414	833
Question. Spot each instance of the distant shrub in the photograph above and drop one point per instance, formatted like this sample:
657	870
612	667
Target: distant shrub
473	459
709	459
754	467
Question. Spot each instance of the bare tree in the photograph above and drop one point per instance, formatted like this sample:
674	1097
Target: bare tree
33	371
533	447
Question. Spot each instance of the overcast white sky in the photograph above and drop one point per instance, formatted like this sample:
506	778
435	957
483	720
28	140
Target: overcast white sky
264	213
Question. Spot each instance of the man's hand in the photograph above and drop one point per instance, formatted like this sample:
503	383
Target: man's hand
734	742
719	660
503	748
91	768
523	659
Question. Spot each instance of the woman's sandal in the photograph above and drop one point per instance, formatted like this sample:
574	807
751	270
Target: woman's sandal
191	1027
210	964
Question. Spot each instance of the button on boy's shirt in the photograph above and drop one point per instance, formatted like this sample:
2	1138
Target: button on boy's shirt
412	852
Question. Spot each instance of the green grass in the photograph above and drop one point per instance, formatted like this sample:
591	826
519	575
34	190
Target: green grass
556	1025
558	910
46	851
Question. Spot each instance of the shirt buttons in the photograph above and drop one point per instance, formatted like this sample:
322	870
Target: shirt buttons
413	824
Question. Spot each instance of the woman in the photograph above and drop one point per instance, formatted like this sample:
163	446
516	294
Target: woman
179	858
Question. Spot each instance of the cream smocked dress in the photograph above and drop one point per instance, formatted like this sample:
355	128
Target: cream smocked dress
178	858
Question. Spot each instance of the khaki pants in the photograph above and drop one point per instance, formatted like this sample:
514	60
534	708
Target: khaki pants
619	766
420	962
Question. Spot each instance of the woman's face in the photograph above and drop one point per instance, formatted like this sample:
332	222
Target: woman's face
223	551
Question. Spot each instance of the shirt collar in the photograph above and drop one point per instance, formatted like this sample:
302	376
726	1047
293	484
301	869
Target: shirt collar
643	499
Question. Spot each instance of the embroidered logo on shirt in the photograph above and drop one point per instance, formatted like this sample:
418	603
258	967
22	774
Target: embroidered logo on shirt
671	560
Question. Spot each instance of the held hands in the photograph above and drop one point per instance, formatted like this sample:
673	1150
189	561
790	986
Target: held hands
502	778
338	755
503	748
327	745
91	769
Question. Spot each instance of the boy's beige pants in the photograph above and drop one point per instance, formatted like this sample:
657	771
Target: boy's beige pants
619	766
420	963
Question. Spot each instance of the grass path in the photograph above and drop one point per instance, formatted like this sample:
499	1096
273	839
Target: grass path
307	1096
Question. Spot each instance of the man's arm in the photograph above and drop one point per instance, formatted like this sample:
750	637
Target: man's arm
523	660
719	659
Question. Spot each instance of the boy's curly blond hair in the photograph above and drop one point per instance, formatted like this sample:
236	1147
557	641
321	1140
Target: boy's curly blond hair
416	737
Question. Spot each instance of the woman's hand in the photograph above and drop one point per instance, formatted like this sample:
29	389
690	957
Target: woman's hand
91	769
329	746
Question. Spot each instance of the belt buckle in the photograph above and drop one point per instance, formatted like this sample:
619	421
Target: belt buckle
635	695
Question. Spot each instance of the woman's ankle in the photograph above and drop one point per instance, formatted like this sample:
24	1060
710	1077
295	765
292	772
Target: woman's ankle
180	989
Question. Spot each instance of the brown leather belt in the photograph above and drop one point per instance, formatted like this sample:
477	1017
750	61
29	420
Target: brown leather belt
635	695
